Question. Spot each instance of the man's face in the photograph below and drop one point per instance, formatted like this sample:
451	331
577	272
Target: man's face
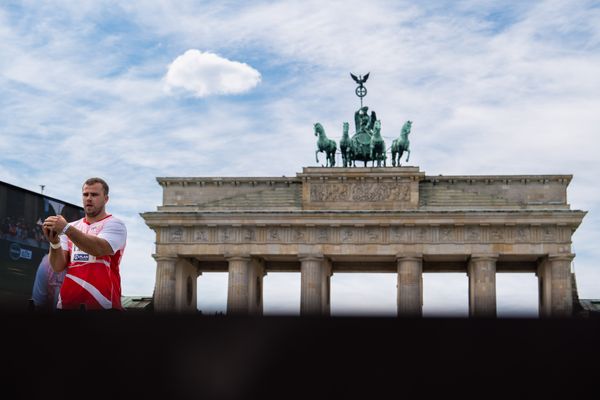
94	199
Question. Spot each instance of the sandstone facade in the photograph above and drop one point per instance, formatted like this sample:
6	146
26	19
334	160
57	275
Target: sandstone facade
394	220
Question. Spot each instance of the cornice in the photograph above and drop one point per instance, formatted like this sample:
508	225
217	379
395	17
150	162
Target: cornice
220	181
502	179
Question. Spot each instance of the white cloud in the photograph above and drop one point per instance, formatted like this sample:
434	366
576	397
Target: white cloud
205	74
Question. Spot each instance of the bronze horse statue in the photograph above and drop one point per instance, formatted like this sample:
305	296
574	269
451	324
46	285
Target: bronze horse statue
400	145
377	145
326	145
345	145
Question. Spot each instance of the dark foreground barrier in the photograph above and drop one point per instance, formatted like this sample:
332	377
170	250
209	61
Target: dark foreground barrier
116	355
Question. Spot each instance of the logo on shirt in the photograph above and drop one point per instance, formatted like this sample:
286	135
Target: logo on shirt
81	257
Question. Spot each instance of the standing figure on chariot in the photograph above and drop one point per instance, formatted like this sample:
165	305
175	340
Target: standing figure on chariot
363	122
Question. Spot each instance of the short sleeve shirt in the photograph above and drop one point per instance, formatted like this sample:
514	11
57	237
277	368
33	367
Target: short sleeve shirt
94	282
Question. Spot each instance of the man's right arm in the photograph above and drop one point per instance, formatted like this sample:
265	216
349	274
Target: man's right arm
58	259
58	256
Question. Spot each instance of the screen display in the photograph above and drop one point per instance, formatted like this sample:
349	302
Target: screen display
22	243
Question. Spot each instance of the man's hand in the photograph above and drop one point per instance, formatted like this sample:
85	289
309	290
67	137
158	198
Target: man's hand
50	235
52	226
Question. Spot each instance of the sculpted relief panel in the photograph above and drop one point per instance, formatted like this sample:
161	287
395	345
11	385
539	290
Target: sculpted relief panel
447	234
176	234
548	233
399	234
201	235
359	192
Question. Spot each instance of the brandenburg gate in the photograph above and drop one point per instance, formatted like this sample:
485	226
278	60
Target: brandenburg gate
363	219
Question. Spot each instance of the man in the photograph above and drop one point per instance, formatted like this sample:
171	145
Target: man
90	250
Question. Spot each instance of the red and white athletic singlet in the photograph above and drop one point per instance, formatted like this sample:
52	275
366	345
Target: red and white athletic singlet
94	281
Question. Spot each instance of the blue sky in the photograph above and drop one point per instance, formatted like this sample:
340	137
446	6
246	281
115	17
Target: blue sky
492	89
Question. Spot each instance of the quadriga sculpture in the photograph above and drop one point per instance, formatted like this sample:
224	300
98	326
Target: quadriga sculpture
325	144
400	145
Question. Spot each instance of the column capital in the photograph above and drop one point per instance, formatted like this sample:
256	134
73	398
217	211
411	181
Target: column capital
165	257
311	257
561	257
484	257
237	257
409	256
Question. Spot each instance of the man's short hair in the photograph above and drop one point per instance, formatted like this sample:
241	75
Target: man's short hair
101	181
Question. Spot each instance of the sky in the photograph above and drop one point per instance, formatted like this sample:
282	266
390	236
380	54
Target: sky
131	91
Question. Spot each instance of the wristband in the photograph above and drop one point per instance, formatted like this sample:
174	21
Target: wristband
67	226
55	246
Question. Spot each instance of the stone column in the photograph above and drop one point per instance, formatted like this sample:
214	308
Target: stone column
238	288
544	287
326	287
482	285
186	278
255	286
164	289
410	285
312	296
555	286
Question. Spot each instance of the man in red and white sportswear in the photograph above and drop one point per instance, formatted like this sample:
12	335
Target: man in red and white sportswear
90	250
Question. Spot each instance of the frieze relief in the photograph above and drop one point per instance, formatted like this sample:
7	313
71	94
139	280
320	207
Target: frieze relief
421	234
548	233
299	234
359	192
472	234
367	234
201	235
273	235
176	234
322	235
497	234
523	234
400	234
447	234
373	234
249	234
226	234
347	235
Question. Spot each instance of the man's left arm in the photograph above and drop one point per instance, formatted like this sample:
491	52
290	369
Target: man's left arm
98	246
91	244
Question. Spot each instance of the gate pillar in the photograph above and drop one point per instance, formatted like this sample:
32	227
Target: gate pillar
186	278
314	285
255	286
482	285
244	290
410	285
164	289
554	282
238	285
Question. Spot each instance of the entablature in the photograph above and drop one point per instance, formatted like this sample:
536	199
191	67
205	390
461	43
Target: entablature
571	218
